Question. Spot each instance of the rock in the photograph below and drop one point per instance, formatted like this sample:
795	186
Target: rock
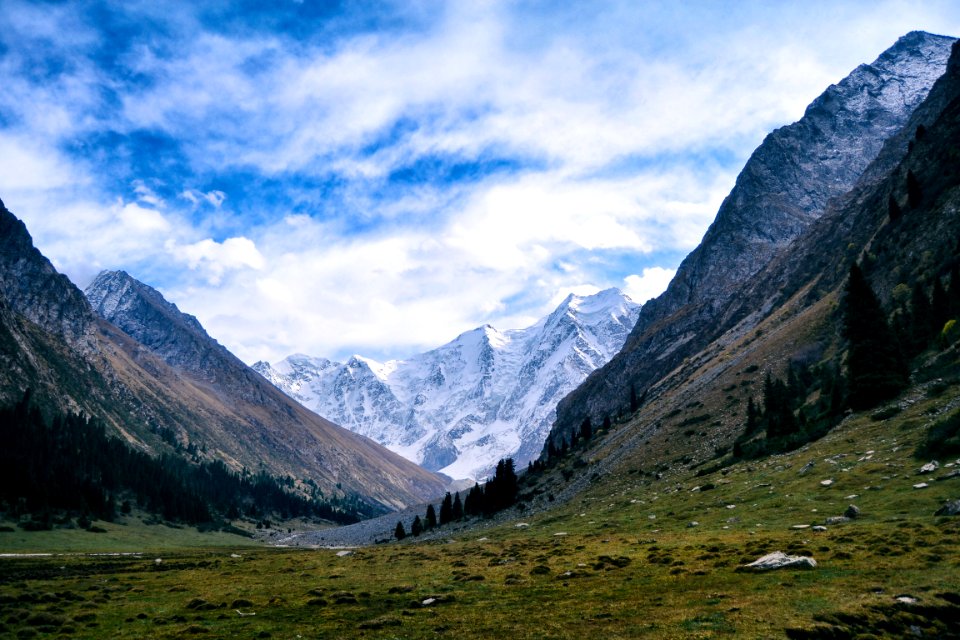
826	483
779	560
800	526
693	524
344	553
819	528
807	467
949	508
930	467
921	485
952	474
837	520
852	512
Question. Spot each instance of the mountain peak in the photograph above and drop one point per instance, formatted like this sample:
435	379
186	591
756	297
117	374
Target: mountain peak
784	187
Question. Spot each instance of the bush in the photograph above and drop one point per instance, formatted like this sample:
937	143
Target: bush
943	438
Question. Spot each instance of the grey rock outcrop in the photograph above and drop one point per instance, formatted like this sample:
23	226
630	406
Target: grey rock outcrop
949	508
32	288
779	560
785	186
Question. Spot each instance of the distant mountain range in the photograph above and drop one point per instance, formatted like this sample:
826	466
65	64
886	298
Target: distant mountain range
461	407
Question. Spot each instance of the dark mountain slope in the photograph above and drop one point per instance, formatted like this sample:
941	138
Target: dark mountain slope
180	388
784	187
792	309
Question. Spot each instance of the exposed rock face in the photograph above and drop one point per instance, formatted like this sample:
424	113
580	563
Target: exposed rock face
34	289
484	396
785	186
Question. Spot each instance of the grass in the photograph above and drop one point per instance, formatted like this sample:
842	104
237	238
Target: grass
616	572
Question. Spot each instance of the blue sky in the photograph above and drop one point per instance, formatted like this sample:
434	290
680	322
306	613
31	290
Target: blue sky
375	178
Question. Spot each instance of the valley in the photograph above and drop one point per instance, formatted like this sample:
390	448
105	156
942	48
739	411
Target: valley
796	389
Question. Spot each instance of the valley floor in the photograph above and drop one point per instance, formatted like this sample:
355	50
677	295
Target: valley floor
621	560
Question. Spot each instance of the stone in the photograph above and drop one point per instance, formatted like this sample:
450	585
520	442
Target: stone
692	524
819	528
807	467
826	483
852	512
837	520
921	485
949	508
779	560
344	553
930	467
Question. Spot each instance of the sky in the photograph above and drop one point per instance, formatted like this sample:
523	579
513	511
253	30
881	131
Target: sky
375	178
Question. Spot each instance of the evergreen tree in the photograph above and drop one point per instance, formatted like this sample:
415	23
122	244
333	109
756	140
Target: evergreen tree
893	208
457	513
939	306
914	193
399	533
878	370
417	527
446	509
431	519
753	417
586	429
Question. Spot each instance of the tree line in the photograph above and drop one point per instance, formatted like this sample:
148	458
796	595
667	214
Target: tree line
498	493
878	358
70	463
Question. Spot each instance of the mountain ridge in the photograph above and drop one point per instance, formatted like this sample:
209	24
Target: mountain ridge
485	395
785	185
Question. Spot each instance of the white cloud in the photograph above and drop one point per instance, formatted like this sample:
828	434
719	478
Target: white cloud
214	259
626	125
651	283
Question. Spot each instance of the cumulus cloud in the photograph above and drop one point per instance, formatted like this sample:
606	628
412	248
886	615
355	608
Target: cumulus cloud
649	284
216	258
328	187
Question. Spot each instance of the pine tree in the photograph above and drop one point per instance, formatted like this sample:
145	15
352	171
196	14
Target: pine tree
446	509
914	193
893	208
431	520
878	370
586	429
457	513
399	533
417	527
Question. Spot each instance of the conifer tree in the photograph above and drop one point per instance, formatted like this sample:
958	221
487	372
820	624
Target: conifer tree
399	533
431	520
586	429
457	513
893	208
417	527
914	193
877	368
446	509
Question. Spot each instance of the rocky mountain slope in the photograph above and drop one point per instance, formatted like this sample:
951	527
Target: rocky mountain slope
177	386
484	396
786	185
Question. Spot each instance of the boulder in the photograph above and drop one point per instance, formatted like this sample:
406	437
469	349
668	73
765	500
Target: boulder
930	467
852	512
949	508
779	560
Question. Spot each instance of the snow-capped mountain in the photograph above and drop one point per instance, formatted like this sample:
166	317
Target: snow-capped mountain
486	395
